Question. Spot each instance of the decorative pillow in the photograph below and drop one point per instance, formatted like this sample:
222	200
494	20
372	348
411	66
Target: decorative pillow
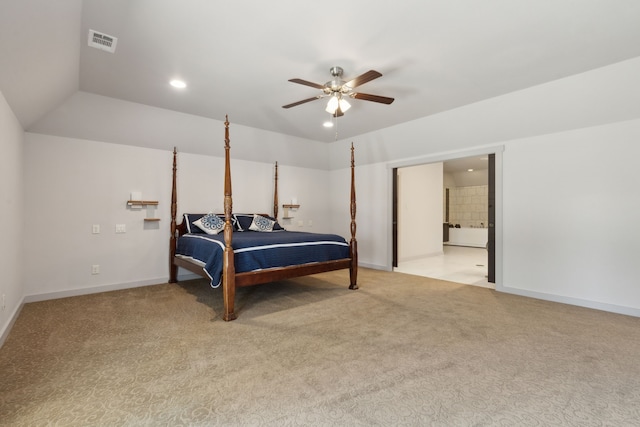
261	223
210	224
276	225
190	220
244	221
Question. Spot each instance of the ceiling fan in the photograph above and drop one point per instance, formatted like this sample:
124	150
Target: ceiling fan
337	89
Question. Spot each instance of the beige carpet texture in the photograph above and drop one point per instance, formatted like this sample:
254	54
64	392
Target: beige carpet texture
401	351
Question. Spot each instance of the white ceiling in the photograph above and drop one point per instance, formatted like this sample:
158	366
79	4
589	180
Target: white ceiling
236	56
464	164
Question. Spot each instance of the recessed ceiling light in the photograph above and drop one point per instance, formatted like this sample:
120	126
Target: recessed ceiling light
178	84
469	170
328	124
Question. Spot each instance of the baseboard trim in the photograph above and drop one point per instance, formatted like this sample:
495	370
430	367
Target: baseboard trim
92	290
188	276
11	321
119	286
612	308
375	266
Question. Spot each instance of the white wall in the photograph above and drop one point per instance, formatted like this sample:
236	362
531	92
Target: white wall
83	116
419	211
470	179
200	190
11	216
577	136
373	212
73	183
569	213
604	95
200	185
571	228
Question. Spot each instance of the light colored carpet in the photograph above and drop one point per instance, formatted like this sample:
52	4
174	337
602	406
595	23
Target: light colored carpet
401	350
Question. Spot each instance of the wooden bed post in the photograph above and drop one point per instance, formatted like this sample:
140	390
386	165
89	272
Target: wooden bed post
275	194
228	266
353	245
173	269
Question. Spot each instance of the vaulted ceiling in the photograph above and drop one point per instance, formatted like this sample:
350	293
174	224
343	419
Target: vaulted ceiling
237	56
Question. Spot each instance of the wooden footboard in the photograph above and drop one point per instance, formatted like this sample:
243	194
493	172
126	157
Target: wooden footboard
231	279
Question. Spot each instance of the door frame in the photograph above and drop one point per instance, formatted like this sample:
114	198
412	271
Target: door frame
496	150
491	211
394	219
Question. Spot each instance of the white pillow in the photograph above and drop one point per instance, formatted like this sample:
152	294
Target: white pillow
261	223
210	224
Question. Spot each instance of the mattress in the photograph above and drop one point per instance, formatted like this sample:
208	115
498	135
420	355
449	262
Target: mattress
255	251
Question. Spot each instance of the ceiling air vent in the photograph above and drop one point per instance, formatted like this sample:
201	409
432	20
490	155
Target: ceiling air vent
102	41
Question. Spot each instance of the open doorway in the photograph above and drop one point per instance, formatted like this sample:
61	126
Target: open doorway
456	241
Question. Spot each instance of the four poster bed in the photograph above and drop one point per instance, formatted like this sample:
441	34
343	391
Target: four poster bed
237	250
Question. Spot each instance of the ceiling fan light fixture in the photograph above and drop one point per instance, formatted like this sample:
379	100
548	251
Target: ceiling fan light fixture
336	102
344	105
332	105
337	89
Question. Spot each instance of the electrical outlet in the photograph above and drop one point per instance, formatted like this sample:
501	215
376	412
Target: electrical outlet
121	228
95	269
96	229
310	223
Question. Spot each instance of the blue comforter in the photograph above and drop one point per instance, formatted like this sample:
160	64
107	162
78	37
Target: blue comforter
257	251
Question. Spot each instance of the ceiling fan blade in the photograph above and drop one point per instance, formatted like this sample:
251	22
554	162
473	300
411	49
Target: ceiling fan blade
374	98
302	102
307	83
364	78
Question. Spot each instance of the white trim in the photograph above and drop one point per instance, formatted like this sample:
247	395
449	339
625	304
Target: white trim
374	266
447	155
629	311
12	320
188	276
93	290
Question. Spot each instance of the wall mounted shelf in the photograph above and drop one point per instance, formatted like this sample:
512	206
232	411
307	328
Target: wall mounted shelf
286	207
142	203
137	204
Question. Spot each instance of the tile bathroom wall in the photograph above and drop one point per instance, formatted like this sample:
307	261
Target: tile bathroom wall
468	206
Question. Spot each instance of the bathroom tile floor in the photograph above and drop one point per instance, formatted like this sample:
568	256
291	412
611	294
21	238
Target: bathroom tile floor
458	264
